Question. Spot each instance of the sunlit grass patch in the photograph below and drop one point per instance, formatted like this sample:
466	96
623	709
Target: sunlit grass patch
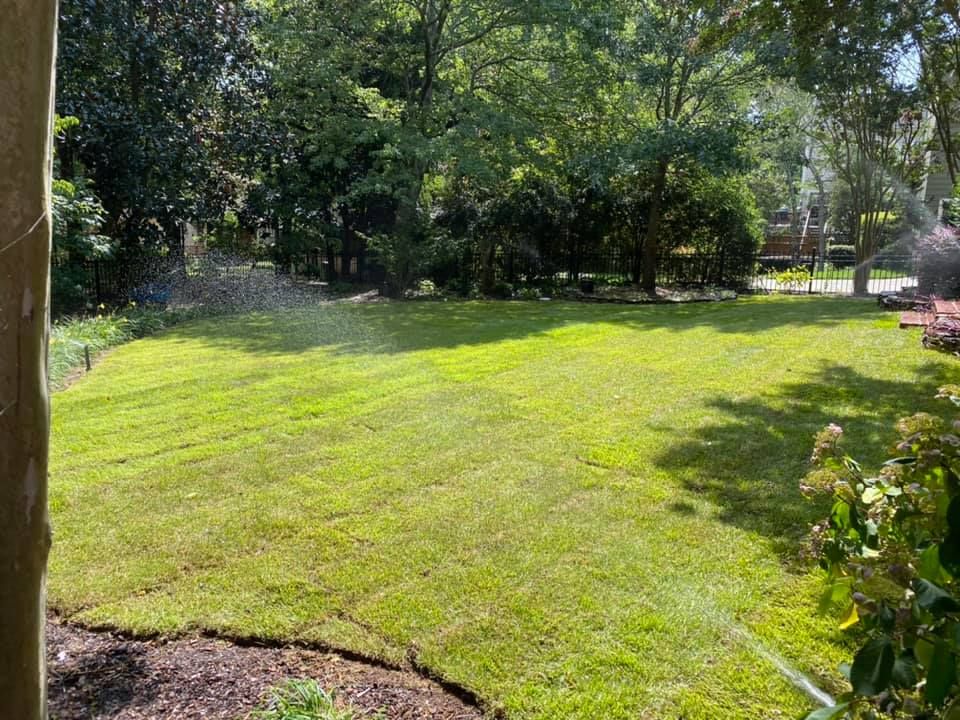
573	511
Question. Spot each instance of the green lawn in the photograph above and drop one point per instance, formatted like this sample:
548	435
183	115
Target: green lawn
574	511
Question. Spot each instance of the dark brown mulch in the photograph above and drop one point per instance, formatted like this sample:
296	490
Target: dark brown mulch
634	296
99	676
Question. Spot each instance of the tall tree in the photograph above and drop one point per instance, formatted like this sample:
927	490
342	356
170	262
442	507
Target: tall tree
412	90
160	88
27	51
936	34
687	83
850	57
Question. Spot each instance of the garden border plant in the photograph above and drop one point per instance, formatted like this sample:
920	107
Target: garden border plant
891	551
72	336
306	700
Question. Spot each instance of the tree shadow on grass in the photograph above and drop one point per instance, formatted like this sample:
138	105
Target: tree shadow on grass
750	460
412	326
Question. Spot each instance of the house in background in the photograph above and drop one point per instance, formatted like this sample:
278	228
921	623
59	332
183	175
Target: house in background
818	179
936	187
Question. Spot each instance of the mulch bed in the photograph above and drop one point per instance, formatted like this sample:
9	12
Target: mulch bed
100	676
633	296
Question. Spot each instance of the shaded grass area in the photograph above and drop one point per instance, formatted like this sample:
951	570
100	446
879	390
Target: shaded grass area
571	510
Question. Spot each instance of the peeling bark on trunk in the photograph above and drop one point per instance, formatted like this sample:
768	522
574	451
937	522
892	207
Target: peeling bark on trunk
27	51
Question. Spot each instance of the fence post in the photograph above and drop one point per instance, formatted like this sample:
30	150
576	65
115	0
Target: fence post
813	271
96	283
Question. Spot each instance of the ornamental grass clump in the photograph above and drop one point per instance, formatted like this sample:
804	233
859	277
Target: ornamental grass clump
891	552
306	700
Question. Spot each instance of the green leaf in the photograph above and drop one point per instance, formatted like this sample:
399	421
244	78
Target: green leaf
904	670
924	650
949	553
941	674
829	713
934	599
840	515
834	593
871	495
953	515
929	567
872	667
953	710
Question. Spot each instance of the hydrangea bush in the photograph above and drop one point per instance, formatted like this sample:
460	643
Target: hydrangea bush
891	553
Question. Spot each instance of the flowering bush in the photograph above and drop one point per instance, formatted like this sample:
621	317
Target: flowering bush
891	551
938	268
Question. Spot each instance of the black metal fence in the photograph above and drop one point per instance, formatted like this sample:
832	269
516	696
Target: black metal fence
755	271
96	282
810	273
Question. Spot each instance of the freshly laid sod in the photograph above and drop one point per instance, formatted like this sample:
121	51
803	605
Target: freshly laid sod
574	511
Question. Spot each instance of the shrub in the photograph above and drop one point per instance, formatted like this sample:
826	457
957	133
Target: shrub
938	267
714	216
795	278
527	293
69	336
891	552
842	255
501	290
428	288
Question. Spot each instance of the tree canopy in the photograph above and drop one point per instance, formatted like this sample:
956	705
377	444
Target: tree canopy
423	130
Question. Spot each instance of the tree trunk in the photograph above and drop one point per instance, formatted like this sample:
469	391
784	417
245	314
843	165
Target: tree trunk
346	250
636	260
861	278
648	271
27	52
331	273
488	259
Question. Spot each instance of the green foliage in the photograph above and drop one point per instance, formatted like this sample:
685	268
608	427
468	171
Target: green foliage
938	268
527	293
167	98
70	335
501	290
78	220
426	290
842	255
713	215
793	279
891	552
304	700
229	238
